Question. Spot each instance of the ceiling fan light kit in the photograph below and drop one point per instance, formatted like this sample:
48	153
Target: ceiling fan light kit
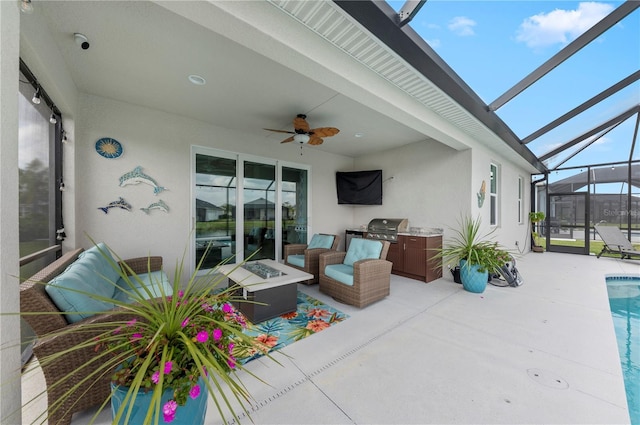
301	138
304	134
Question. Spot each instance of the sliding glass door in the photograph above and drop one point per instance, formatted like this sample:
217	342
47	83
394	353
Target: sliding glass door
294	206
215	195
263	201
259	206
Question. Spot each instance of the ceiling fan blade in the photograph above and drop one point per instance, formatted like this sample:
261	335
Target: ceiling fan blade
279	131
300	124
315	140
325	131
287	140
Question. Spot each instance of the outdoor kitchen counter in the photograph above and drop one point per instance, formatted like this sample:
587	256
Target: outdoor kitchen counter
413	255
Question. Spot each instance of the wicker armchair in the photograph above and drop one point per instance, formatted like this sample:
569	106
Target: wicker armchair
311	256
371	278
55	335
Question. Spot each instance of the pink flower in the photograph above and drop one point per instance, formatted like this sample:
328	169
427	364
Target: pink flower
132	322
185	322
155	377
231	362
136	336
217	334
180	293
167	368
226	307
202	336
231	345
169	410
194	392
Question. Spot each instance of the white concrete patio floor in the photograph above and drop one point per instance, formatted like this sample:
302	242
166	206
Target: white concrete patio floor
544	352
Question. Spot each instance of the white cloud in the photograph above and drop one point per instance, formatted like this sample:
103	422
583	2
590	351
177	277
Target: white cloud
462	25
434	43
561	26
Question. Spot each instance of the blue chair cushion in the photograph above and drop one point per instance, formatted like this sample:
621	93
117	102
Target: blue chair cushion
340	272
361	249
321	241
156	282
296	260
91	273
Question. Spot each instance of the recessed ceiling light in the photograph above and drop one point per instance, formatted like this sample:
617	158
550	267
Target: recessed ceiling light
359	135
197	80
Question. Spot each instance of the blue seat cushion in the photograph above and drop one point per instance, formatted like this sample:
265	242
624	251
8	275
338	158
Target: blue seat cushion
91	273
296	260
156	282
321	241
361	249
340	272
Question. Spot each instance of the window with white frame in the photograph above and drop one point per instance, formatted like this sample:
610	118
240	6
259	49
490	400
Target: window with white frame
520	203
493	195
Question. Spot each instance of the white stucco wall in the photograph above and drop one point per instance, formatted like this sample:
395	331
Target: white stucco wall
433	185
161	144
422	183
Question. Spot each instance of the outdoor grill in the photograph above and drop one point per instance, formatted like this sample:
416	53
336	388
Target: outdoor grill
386	229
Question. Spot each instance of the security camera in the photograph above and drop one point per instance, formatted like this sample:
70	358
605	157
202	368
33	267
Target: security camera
81	40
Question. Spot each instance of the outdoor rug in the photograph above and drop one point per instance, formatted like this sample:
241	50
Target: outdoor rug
311	317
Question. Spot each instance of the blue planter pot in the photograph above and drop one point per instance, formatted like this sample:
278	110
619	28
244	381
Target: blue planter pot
193	412
473	280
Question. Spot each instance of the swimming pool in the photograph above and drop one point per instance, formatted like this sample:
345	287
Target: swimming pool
624	300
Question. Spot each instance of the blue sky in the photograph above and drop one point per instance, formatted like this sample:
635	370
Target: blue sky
492	45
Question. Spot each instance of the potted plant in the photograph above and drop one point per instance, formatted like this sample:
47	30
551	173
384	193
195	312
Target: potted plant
476	255
167	354
534	218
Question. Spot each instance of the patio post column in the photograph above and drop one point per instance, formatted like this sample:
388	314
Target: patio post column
10	388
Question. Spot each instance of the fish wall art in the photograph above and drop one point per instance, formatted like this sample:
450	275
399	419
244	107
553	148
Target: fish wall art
481	194
160	205
137	176
120	203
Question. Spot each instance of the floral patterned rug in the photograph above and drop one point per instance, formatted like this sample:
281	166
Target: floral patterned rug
311	317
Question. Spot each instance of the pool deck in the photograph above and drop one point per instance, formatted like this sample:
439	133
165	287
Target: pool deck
544	352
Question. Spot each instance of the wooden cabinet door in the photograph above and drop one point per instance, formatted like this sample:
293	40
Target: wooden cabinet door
415	255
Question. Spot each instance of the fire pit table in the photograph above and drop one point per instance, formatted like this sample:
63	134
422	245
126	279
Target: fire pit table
269	288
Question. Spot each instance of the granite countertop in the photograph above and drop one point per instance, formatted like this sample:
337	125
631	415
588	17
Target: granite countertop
424	234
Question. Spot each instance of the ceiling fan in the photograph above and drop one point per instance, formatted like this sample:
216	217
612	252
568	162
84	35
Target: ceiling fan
303	134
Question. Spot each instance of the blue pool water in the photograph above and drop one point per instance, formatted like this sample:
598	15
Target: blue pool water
624	300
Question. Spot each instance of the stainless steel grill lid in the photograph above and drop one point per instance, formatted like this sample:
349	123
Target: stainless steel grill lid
386	229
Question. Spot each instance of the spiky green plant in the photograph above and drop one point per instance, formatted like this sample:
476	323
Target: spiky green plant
169	342
468	244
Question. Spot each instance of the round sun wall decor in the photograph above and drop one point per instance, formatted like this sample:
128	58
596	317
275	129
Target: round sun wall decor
108	147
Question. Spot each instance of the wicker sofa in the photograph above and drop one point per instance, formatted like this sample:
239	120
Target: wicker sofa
357	277
55	334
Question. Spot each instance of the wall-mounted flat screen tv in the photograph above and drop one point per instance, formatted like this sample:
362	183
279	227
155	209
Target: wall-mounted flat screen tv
359	187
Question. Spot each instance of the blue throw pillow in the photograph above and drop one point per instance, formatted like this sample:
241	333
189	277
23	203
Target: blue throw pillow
360	249
321	241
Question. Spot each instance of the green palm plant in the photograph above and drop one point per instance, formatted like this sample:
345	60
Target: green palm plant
468	244
173	342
